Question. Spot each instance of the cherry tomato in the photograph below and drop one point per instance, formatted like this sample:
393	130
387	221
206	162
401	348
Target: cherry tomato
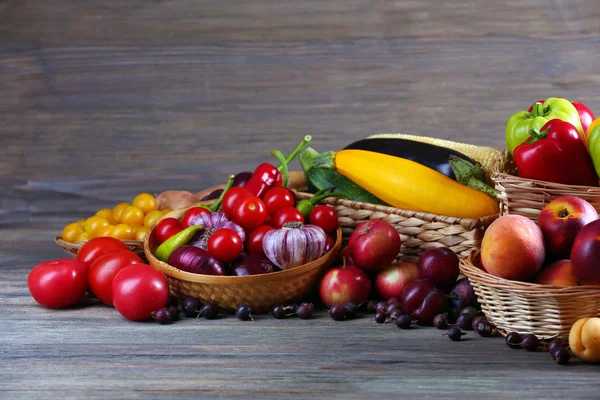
103	271
106	231
107	214
254	240
94	224
59	283
132	215
118	210
97	247
287	214
191	213
225	245
138	290
249	213
277	198
71	231
167	228
166	211
232	196
324	216
146	202
123	232
152	218
140	232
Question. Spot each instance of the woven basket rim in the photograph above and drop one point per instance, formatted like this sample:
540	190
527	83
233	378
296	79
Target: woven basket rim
232	280
467	223
469	267
78	245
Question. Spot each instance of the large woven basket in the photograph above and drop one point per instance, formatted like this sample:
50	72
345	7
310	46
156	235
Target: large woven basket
419	231
260	292
527	197
544	310
73	248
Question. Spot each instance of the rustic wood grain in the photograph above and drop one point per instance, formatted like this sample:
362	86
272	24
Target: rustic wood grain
103	100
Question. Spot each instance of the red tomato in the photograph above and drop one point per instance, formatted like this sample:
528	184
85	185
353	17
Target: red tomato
96	247
167	228
59	283
287	214
255	239
225	245
277	198
191	213
103	271
138	290
231	197
324	216
249	213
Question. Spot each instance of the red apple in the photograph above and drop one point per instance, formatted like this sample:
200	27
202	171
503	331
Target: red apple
440	265
391	281
585	254
374	245
344	255
561	220
559	273
422	301
343	284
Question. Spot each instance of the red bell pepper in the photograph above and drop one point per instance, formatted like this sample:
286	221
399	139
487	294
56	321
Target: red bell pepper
557	154
586	116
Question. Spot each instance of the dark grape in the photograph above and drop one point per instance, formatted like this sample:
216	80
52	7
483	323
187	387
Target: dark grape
243	312
484	328
350	310
404	321
555	344
172	301
371	306
392	300
191	307
465	321
210	310
293	308
396	312
391	307
381	306
162	316
440	321
212	195
305	310
173	312
470	310
455	333
380	317
478	319
561	355
337	312
241	178
530	342
278	312
513	340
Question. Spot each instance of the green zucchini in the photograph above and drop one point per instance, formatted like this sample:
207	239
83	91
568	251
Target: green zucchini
321	178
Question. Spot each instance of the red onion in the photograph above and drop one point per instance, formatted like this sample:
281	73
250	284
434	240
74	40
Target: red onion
251	264
195	260
294	244
211	223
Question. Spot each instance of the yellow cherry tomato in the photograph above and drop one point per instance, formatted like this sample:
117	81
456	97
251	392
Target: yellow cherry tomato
83	236
140	232
166	211
132	215
107	214
81	223
152	218
146	202
123	232
71	231
118	210
93	224
105	231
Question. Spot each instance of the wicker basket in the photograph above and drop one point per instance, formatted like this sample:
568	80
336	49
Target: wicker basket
260	292
72	248
544	310
527	197
419	231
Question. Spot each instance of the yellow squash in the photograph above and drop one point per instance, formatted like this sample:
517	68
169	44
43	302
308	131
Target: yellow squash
409	185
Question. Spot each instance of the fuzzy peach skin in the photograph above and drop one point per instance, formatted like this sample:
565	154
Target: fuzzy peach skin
513	248
584	339
559	273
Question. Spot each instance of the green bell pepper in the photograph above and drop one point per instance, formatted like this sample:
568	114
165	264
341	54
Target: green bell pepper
594	147
519	125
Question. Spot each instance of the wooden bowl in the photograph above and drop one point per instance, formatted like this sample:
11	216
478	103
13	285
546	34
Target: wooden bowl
260	292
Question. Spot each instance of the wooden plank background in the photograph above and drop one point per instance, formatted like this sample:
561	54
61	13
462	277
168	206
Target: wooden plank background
102	100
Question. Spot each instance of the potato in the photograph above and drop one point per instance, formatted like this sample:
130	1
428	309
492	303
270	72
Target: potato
296	180
175	199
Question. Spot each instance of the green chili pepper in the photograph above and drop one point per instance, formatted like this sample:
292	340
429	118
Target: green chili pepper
215	206
284	166
179	239
307	205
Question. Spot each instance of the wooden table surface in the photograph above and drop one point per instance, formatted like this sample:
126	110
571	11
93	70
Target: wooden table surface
103	100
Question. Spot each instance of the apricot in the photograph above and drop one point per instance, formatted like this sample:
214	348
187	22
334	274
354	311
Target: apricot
559	273
584	339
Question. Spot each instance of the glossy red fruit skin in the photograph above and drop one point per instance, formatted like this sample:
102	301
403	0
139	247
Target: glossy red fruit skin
341	285
138	290
439	265
391	281
191	213
96	247
344	255
103	271
374	245
423	301
58	283
586	253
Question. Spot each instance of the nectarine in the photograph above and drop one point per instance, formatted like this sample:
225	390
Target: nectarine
559	273
586	253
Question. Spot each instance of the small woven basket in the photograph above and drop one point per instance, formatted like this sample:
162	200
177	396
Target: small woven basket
419	231
73	248
544	310
260	292
527	197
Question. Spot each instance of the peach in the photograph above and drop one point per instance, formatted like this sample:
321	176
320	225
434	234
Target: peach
584	339
513	248
559	273
586	253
